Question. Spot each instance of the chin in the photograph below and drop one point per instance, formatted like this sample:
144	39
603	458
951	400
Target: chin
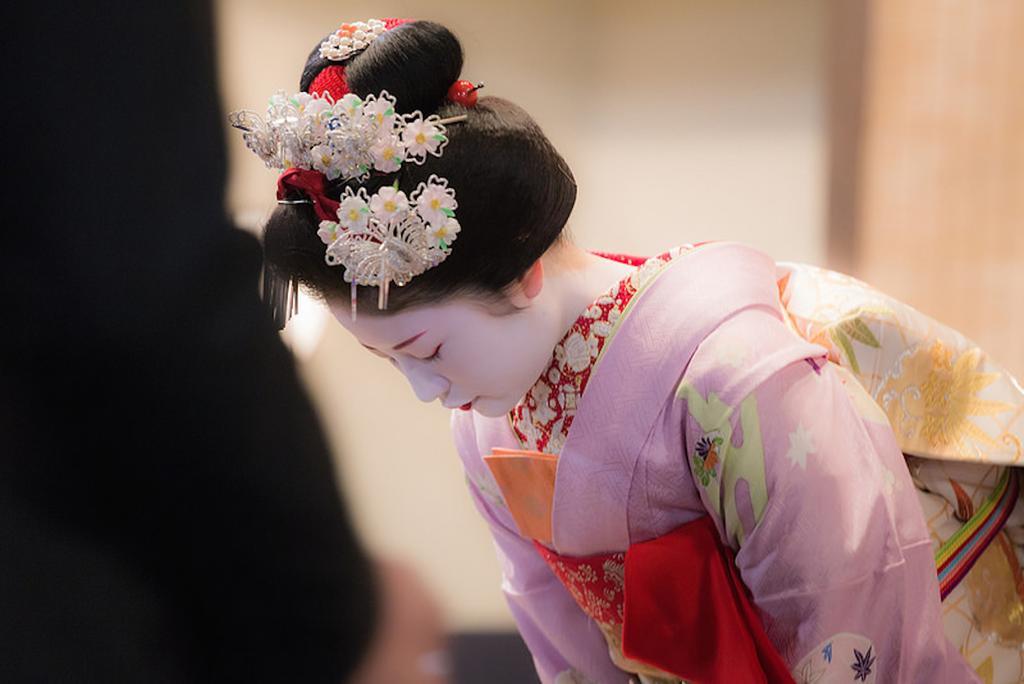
493	407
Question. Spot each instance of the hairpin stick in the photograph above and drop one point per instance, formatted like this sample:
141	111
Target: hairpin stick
453	119
295	201
352	299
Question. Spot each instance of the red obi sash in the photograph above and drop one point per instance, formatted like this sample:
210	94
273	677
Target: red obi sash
680	606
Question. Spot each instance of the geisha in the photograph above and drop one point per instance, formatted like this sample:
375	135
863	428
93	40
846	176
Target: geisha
786	476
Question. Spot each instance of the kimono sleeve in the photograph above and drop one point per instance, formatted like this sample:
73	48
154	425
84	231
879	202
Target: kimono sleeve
801	473
566	645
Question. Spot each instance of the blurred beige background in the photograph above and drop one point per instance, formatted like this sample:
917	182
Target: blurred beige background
682	121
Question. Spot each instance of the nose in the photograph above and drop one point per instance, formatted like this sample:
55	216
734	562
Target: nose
426	385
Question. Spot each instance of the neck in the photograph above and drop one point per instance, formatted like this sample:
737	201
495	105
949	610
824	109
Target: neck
573	279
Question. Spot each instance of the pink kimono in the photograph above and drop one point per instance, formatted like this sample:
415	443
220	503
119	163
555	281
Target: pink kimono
686	394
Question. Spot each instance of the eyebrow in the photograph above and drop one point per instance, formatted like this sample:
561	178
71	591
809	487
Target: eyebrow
403	344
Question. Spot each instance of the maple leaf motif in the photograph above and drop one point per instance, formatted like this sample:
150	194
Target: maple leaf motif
707	449
862	666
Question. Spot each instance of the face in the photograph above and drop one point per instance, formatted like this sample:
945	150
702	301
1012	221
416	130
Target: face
463	353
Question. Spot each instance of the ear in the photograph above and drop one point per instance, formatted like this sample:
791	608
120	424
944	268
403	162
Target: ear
523	292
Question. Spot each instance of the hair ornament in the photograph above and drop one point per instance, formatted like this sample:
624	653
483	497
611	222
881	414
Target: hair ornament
351	38
464	93
389	237
345	139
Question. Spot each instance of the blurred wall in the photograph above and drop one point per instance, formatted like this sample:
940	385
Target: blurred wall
935	188
682	121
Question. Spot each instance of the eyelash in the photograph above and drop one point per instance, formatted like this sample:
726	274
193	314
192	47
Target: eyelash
433	357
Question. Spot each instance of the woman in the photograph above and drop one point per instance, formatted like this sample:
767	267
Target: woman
682	486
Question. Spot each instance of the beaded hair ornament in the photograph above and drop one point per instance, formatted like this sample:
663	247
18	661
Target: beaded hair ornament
380	239
351	38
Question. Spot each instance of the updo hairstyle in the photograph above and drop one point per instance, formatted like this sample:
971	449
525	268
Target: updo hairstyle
514	190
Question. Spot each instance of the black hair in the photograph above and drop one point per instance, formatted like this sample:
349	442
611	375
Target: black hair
514	190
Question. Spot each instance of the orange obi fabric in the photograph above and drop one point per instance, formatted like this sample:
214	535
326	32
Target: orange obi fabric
527	481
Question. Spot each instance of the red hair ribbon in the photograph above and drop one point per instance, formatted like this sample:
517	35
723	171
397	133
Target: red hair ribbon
309	183
331	79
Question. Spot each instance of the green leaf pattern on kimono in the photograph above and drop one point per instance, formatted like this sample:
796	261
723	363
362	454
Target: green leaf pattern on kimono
853	329
735	463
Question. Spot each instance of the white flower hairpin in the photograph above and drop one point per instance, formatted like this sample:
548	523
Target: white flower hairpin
350	38
390	237
346	139
385	238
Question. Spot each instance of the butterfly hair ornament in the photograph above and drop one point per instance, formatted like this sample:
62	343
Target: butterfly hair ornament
384	238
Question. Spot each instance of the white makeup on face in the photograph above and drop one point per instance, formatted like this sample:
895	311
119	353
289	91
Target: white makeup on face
460	352
465	351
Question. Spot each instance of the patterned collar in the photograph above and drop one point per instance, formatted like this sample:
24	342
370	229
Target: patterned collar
542	418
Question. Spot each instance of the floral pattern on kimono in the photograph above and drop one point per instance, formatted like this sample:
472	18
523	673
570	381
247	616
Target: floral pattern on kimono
841	658
827	538
543	417
824	540
958	416
542	420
